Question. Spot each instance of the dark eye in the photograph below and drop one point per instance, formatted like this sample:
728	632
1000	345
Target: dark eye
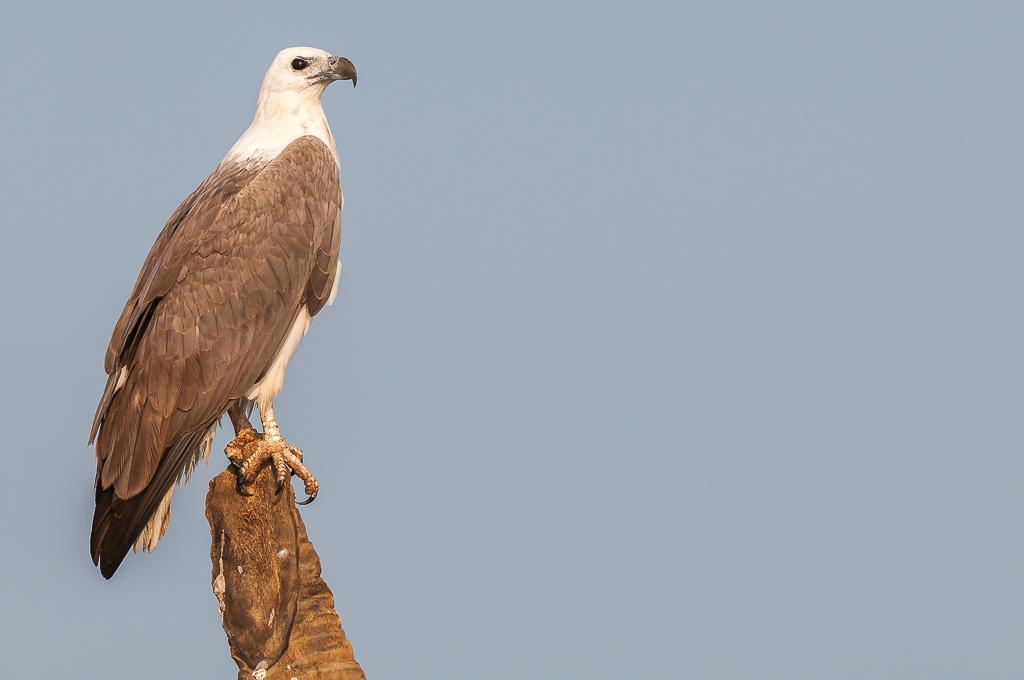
299	64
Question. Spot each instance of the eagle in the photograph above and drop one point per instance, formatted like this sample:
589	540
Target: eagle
223	299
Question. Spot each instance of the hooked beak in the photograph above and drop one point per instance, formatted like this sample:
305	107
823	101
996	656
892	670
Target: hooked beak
339	68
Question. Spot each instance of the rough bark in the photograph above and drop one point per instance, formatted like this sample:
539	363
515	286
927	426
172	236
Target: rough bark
277	612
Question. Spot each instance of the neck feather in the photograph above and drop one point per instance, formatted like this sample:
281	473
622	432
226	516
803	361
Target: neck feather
281	118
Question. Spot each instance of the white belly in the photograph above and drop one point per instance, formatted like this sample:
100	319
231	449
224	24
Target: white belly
271	383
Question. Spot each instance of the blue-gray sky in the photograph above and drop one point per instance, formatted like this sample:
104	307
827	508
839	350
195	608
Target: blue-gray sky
673	340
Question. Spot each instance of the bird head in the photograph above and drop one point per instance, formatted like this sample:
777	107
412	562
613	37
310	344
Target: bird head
305	71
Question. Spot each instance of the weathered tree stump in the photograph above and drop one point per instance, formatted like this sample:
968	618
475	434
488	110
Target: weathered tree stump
277	612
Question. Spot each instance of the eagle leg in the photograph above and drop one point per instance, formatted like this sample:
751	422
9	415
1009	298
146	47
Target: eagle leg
285	456
237	412
249	451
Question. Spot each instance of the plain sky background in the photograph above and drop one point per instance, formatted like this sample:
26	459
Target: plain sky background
673	341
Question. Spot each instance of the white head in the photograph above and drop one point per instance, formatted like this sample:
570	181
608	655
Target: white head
289	102
304	71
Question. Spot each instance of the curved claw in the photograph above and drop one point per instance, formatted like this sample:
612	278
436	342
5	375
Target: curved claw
280	487
239	482
309	499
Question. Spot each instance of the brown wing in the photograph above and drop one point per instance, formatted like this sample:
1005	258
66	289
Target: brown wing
211	307
325	265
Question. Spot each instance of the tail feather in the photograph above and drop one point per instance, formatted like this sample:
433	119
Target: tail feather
118	522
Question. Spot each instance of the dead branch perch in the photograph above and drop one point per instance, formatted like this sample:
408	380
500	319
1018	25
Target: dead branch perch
276	610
